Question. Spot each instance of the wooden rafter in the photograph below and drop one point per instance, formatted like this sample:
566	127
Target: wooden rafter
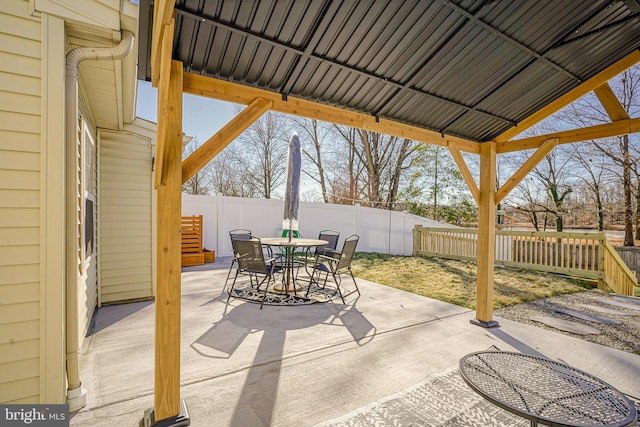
611	103
214	145
163	107
162	16
526	167
620	127
464	170
241	94
579	91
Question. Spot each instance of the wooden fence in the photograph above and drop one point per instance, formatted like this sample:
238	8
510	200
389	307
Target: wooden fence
631	256
586	255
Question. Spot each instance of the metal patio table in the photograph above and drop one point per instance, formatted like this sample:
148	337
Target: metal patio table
545	391
289	245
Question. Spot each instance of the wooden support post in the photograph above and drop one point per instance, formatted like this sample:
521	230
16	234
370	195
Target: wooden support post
168	410
486	236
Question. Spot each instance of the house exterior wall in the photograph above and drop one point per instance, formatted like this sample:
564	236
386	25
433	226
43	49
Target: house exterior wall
126	230
33	231
23	206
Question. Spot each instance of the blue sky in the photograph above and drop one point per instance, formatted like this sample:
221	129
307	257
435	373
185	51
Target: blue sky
201	117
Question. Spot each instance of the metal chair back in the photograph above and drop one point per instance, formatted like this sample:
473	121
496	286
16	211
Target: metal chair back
240	233
348	249
330	236
250	256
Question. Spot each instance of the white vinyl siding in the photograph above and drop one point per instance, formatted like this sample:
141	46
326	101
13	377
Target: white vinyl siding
125	217
20	163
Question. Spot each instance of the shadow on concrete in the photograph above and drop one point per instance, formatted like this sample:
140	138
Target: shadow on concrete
108	315
257	397
514	342
360	328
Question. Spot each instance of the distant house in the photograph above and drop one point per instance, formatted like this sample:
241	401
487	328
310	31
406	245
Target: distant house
76	194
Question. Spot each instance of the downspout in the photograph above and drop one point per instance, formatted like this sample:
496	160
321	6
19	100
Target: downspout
76	395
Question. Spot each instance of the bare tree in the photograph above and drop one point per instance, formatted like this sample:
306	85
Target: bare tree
200	183
620	150
371	166
314	140
525	199
593	175
261	153
552	172
227	176
346	185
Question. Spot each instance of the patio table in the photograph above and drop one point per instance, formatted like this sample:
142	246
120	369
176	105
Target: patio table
289	246
545	391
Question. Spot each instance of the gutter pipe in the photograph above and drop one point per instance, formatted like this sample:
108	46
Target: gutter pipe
76	395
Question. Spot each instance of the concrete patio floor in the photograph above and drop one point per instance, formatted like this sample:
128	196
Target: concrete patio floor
297	366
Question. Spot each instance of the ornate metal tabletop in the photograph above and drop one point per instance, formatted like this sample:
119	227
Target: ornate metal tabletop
546	391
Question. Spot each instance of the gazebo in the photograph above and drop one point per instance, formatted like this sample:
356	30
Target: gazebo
467	75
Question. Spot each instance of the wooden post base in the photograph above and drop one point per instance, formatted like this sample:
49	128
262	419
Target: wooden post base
180	420
489	324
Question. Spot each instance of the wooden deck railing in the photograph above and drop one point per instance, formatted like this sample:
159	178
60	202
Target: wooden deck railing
586	255
617	275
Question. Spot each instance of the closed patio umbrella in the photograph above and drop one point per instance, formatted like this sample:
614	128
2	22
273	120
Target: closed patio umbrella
292	194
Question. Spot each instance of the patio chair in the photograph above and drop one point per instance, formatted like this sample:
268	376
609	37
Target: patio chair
333	264
252	263
330	236
310	255
237	234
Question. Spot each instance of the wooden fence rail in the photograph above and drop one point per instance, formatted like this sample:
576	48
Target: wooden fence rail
586	255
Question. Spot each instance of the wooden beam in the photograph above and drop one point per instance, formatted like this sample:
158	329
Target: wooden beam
486	235
607	130
401	130
241	94
464	170
162	16
526	167
611	103
577	92
214	145
163	107
167	304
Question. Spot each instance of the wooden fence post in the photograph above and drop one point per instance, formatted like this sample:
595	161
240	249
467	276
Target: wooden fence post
417	237
602	284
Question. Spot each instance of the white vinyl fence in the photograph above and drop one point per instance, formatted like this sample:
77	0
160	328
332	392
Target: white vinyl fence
380	230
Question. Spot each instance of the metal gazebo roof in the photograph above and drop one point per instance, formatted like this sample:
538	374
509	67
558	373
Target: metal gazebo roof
470	68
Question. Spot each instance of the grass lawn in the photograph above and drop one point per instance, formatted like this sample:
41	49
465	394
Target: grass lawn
455	281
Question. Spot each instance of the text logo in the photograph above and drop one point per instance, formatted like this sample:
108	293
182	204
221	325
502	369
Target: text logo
34	415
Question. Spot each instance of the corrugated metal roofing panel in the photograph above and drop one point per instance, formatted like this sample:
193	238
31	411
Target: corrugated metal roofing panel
522	95
470	67
483	125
